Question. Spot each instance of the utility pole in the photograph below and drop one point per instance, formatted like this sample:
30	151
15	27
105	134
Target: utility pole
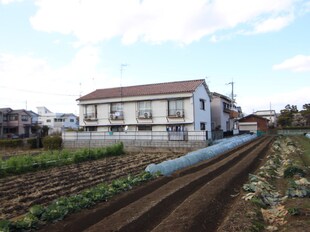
232	91
122	69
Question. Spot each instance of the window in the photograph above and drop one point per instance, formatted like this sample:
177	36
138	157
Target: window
48	120
24	118
91	128
5	118
117	111
90	111
13	117
175	108
144	109
71	120
144	128
202	104
202	126
117	128
57	119
116	107
225	105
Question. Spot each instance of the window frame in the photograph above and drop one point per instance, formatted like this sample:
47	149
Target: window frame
143	108
202	104
173	106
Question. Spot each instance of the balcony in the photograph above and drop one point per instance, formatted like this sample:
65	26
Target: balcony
178	113
144	114
117	115
90	117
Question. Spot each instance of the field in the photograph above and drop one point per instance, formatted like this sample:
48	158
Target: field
18	193
192	199
215	195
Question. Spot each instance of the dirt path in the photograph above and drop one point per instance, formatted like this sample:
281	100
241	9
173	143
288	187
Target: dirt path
193	199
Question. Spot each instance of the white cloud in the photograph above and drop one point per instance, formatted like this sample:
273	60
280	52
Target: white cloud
273	24
299	63
157	21
26	78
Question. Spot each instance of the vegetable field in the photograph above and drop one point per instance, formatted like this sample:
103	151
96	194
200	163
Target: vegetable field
192	199
19	193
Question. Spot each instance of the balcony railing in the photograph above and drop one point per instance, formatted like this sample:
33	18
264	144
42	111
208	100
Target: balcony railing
117	115
144	114
176	113
90	117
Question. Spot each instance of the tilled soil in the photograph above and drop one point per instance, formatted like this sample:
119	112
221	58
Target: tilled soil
18	193
193	199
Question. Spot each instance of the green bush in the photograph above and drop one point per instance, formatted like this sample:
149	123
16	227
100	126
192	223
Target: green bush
11	143
34	143
52	142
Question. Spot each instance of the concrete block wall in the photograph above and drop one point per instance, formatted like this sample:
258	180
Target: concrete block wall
140	145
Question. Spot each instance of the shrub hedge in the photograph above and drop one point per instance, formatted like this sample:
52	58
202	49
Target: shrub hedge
11	143
52	142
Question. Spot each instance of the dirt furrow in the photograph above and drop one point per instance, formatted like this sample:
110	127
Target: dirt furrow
17	193
148	211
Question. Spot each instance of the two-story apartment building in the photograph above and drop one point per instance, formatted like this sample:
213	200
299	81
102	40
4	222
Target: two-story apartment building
223	113
16	123
171	106
56	122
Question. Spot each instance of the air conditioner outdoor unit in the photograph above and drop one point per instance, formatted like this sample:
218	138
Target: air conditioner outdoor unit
147	115
179	114
113	116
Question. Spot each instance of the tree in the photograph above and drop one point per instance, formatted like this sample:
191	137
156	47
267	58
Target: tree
286	117
306	113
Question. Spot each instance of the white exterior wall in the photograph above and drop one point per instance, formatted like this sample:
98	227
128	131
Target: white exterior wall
248	126
159	108
201	116
219	117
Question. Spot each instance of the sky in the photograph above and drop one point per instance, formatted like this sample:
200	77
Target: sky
53	51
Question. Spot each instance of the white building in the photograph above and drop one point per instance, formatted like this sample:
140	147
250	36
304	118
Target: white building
56	122
172	106
268	114
223	113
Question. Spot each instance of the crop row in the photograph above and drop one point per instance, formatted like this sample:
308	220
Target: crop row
28	163
39	215
18	193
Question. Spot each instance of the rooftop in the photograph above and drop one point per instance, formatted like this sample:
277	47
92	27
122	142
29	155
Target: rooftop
144	90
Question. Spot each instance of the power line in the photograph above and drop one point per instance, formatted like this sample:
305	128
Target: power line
40	92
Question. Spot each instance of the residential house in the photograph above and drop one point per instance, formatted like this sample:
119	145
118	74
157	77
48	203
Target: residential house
16	123
224	113
268	114
171	106
56	122
253	123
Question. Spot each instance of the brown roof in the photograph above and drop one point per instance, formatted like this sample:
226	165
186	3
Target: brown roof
143	90
252	116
